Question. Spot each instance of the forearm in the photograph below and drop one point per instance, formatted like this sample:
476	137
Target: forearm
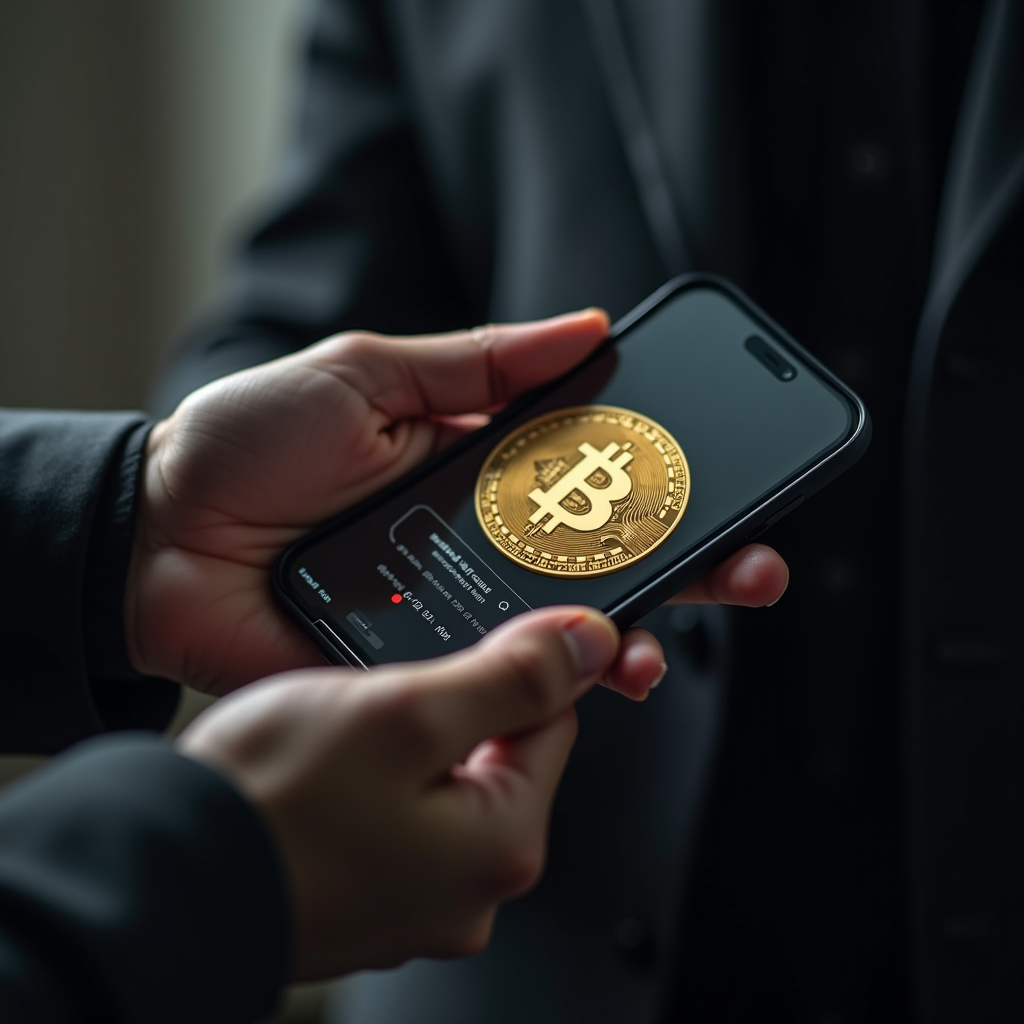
67	507
137	885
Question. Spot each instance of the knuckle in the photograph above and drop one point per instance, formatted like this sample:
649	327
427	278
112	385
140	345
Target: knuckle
483	336
354	345
465	940
476	938
520	872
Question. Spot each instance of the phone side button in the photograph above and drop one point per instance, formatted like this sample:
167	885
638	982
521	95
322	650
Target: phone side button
336	642
775	517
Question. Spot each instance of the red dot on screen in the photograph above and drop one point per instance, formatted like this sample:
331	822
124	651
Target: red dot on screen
396	598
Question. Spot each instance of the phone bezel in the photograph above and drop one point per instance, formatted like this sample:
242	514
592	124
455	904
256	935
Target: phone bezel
744	526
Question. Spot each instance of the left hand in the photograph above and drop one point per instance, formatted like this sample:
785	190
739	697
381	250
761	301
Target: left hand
408	802
249	463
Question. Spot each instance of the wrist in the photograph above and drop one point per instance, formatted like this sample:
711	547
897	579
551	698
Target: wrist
148	539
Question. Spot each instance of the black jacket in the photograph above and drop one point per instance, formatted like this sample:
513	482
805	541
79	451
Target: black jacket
859	168
135	884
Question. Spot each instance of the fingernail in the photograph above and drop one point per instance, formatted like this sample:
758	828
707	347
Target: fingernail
772	604
592	641
661	675
560	317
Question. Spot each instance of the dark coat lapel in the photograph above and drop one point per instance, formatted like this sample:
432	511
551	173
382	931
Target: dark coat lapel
961	654
986	170
644	156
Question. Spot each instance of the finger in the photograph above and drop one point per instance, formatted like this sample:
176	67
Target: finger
538	755
639	666
465	371
522	675
449	429
509	786
754	576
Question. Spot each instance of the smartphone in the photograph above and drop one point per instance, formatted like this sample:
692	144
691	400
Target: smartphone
693	428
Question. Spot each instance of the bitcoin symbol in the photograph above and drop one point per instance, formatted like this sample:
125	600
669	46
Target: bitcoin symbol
625	494
611	461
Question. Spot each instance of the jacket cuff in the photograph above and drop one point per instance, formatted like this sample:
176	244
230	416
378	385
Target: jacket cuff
62	569
123	698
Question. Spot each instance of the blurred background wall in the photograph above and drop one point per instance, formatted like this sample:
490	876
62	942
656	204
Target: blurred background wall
136	137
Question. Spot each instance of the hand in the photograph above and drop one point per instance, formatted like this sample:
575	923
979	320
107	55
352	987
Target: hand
409	802
249	463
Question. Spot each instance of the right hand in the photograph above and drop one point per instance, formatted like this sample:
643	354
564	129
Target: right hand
249	463
410	801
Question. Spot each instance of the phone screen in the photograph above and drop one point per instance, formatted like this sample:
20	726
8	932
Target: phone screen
415	575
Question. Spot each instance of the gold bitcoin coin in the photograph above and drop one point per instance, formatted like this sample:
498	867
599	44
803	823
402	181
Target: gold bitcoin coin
583	491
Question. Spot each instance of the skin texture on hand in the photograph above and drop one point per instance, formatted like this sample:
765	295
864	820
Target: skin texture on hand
249	463
409	802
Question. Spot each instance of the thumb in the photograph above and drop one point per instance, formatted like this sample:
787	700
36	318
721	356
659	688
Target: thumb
524	674
464	371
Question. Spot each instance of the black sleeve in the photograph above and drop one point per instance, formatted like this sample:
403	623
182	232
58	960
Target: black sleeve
353	240
137	886
67	503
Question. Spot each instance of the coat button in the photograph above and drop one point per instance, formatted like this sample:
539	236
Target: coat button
867	163
970	365
634	942
969	929
837	576
965	655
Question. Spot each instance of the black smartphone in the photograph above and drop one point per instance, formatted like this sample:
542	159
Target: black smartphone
746	422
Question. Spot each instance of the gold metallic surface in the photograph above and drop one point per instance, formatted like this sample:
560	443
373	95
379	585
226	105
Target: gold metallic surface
583	491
